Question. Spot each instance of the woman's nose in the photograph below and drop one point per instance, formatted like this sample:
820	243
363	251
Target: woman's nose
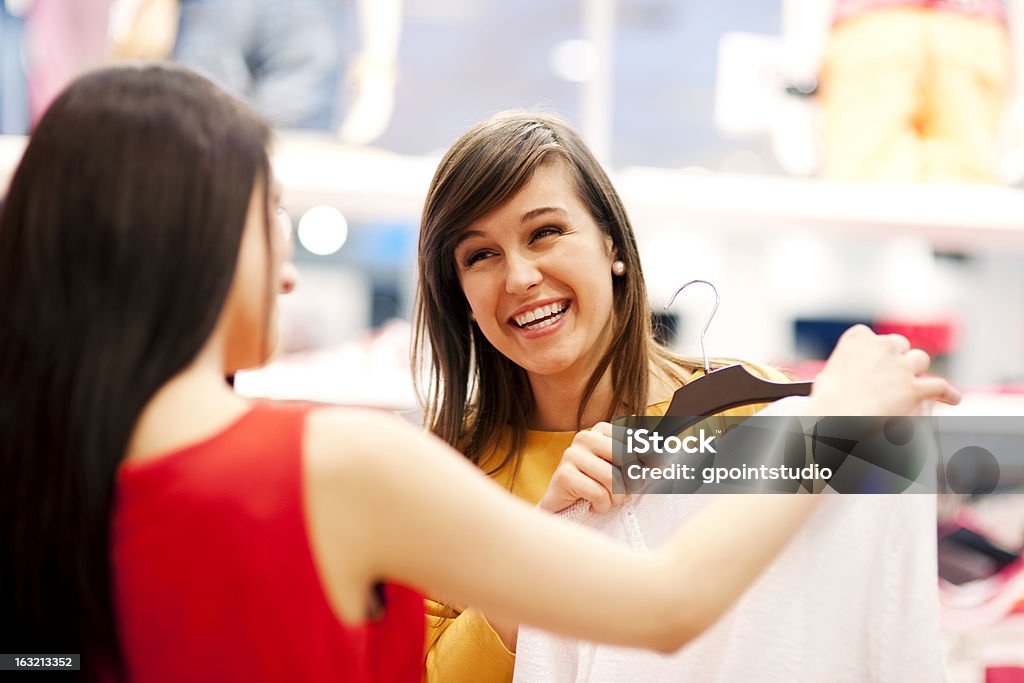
522	275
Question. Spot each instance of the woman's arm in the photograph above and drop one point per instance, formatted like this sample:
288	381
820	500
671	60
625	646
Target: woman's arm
388	501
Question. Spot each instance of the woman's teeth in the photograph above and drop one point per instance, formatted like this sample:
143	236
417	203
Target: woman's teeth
542	316
544	323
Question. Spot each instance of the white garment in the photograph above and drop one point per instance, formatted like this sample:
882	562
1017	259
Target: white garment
852	599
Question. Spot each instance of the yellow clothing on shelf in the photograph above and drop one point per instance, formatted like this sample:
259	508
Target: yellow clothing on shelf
912	94
465	647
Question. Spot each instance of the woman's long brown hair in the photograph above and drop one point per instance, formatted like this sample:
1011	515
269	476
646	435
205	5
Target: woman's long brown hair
118	243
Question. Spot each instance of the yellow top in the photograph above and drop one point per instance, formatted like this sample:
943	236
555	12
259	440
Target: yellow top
463	646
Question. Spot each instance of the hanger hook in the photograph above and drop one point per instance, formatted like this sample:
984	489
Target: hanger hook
707	363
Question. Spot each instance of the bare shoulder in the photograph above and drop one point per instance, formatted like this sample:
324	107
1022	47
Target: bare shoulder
365	454
332	418
345	440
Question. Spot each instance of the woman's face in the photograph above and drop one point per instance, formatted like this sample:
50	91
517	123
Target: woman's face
252	330
536	272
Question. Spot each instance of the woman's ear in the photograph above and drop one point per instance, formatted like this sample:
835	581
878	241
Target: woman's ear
609	247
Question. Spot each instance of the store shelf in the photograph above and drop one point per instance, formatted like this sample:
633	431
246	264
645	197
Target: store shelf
374	184
959	217
366	184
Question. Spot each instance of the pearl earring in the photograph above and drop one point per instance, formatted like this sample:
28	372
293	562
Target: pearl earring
619	268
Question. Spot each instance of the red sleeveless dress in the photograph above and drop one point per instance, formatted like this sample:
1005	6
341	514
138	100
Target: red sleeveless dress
214	577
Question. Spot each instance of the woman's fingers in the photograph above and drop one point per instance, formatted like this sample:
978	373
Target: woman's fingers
568	485
606	429
590	464
592	452
589	489
869	374
596	442
937	389
930	388
918	360
898	342
585	471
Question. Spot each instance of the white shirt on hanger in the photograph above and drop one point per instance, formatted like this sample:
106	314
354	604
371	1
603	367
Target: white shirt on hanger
853	598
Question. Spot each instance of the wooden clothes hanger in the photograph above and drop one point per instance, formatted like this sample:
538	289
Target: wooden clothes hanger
720	389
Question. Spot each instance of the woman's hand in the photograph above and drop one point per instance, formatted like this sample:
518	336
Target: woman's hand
585	471
870	374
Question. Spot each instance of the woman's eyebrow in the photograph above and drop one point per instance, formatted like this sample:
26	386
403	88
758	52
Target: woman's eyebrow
534	213
466	235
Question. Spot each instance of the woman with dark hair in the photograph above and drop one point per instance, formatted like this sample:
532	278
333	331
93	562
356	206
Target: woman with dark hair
168	530
534	329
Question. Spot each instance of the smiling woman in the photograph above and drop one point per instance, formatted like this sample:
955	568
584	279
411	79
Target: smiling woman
533	319
533	324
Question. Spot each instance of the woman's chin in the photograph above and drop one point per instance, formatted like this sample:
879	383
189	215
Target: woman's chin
549	367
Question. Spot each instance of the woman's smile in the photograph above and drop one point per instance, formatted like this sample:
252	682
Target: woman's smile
541	319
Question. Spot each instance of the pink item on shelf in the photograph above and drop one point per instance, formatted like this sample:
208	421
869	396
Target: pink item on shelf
64	39
989	9
1004	674
937	338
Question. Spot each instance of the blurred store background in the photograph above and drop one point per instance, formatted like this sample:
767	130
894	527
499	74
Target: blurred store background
711	118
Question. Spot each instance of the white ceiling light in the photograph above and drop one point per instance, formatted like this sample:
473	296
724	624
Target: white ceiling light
322	230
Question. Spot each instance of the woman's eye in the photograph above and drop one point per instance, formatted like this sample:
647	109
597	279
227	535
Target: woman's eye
476	257
545	232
